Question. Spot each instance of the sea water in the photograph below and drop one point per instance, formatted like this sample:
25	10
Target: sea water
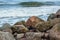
14	13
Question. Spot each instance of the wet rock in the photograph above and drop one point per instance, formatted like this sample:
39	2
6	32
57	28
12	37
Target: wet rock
58	13
55	32
51	16
43	26
6	36
32	21
19	29
6	28
20	23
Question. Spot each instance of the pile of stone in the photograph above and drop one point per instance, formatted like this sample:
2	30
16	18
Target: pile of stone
33	29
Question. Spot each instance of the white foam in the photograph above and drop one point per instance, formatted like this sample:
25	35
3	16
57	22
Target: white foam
14	14
32	11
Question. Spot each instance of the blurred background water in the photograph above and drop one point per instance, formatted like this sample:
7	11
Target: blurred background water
11	13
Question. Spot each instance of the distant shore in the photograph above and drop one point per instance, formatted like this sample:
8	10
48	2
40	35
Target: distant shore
35	4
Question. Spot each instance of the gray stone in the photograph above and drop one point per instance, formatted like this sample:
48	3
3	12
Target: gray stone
33	36
19	36
6	36
55	32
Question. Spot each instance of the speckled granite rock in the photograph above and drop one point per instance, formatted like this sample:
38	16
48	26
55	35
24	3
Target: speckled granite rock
6	36
43	26
19	29
33	36
55	32
6	28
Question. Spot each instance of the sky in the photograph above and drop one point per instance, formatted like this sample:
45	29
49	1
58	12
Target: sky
17	1
29	0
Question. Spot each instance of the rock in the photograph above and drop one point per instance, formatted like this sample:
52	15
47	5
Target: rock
32	21
43	26
6	36
33	36
6	28
23	39
51	17
36	36
20	23
58	12
20	36
54	21
19	29
55	32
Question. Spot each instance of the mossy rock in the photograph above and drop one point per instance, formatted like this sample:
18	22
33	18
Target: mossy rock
51	17
19	29
43	26
20	23
54	21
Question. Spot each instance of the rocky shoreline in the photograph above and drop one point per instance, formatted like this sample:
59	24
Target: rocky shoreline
33	29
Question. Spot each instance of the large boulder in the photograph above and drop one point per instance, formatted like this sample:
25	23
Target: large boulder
32	21
55	32
43	26
6	28
6	36
19	29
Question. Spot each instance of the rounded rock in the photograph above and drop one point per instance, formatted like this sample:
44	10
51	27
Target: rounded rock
43	26
32	21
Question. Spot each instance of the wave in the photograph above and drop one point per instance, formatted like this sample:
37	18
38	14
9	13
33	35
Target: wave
13	14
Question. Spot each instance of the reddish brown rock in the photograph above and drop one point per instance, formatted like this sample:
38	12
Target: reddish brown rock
32	21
